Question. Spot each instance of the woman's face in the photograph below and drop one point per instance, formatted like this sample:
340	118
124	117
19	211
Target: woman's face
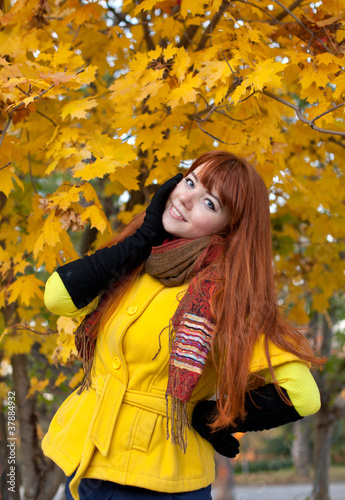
192	212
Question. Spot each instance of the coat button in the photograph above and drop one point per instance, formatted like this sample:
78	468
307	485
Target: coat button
116	363
132	310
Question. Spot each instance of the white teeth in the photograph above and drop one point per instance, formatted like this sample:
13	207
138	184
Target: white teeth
176	212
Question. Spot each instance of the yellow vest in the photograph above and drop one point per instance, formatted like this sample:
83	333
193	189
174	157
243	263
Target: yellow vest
116	430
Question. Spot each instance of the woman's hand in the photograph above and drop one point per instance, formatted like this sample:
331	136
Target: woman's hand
154	212
265	409
222	441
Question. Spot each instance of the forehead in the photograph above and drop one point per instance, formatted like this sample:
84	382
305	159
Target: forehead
211	179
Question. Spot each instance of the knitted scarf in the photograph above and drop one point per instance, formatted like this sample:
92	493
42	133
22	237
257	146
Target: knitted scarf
173	263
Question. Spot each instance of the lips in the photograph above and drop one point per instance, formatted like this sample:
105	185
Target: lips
176	214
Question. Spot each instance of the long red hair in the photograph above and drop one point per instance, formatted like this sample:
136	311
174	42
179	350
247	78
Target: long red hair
245	303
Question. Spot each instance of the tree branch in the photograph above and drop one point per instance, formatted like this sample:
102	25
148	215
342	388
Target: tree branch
275	19
30	167
337	142
24	326
304	26
6	128
7	165
216	138
214	21
47	117
188	36
147	34
290	9
300	115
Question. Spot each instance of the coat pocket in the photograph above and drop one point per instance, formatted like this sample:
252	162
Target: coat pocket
144	430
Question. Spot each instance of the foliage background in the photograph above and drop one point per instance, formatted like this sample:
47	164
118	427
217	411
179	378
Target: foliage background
100	101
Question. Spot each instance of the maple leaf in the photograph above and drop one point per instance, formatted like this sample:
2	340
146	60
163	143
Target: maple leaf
144	5
50	234
58	77
181	64
194	6
83	14
186	91
78	109
63	199
36	386
97	218
61	378
265	74
7	176
76	379
25	288
311	75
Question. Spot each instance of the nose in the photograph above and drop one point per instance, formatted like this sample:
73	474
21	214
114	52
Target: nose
186	199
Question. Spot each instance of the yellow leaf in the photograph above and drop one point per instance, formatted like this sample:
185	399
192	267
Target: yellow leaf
61	378
145	5
320	302
7	176
65	350
4	389
78	109
18	343
309	75
25	288
193	6
121	154
172	146
67	325
58	77
214	72
340	83
76	379
265	74
65	198
298	314
36	386
97	218
50	233
99	168
186	91
83	14
88	75
181	64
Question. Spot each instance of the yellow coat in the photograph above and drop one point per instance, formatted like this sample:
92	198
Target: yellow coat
116	430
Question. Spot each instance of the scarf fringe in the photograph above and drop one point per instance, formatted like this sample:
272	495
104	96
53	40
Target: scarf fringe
177	422
87	359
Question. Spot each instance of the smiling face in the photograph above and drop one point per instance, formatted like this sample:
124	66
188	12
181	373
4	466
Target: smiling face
192	211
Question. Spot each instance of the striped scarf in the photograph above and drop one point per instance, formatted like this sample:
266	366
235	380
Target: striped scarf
173	263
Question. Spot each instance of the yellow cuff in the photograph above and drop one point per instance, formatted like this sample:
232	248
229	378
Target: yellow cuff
296	378
59	302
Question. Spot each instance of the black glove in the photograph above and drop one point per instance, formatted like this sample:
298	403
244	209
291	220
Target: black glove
265	410
86	278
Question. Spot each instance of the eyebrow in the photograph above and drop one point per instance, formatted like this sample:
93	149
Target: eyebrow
213	195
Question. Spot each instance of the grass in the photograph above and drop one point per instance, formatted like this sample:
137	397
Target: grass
285	476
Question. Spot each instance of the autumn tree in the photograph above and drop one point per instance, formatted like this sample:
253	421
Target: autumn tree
102	99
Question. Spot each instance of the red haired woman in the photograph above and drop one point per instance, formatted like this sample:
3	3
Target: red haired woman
180	307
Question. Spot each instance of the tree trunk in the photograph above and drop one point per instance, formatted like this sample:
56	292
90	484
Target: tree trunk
225	473
29	446
323	436
3	458
40	476
301	448
323	425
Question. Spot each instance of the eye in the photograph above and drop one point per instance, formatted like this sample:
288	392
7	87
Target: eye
210	204
189	182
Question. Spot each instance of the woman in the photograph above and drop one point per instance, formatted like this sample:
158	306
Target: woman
187	309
